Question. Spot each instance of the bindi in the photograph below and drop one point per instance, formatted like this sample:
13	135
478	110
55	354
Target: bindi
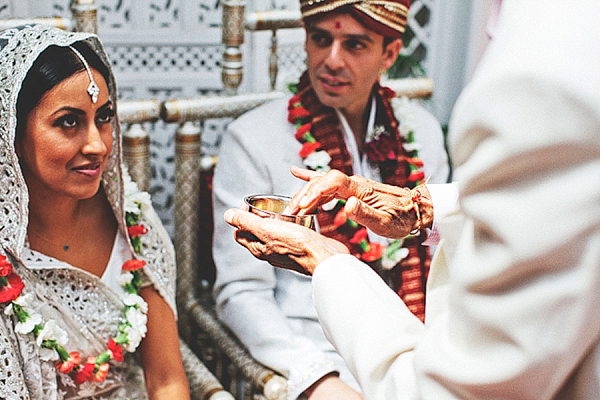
338	25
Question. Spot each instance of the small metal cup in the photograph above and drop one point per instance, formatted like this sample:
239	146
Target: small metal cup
272	206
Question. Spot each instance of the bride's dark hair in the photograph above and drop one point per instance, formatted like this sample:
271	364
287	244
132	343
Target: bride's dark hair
54	65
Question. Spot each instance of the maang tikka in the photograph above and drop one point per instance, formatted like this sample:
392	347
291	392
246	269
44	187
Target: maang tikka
93	89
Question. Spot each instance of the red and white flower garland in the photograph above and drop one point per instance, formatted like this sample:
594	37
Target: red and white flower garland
51	338
378	148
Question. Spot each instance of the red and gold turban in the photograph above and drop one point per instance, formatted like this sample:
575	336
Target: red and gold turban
387	17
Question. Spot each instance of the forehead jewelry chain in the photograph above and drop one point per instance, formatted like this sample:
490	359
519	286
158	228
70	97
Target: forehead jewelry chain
93	89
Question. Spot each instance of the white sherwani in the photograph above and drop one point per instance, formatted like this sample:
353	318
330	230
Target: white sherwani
270	309
513	294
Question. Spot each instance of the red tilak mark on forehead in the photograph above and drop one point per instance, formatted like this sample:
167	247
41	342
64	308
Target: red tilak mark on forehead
338	24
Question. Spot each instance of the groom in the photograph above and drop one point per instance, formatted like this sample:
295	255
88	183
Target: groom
339	117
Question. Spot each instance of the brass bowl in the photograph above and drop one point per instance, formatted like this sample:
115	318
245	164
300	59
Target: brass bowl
272	206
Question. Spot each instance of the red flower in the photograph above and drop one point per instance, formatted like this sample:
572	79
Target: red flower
359	236
116	351
12	289
6	267
297	113
100	372
294	102
132	265
340	218
67	366
136	230
374	253
302	131
85	371
416	176
417	162
309	147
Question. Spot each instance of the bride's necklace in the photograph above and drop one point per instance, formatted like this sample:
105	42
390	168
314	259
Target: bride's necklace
65	246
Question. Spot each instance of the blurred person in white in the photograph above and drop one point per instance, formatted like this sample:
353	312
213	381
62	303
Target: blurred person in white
514	287
87	271
341	118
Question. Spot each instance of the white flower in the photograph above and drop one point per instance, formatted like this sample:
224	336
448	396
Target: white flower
133	300
137	320
406	127
125	278
134	198
402	109
134	338
134	201
393	253
48	354
377	131
411	146
388	262
137	331
23	300
30	323
330	205
401	105
51	331
318	161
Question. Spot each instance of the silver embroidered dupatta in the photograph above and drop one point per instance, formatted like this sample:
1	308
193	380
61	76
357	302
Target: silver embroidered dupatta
79	302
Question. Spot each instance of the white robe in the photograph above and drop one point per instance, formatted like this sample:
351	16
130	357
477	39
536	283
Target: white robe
513	293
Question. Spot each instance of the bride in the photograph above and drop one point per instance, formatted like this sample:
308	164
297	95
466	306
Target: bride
87	271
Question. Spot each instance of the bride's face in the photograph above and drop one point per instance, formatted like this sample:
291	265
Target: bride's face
67	139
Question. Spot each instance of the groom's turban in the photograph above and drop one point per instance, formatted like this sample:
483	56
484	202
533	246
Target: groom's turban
386	17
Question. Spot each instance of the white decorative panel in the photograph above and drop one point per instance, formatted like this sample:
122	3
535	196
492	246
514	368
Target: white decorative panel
6	9
418	33
158	59
114	15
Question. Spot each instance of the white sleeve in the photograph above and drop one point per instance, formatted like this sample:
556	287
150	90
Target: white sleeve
369	326
445	200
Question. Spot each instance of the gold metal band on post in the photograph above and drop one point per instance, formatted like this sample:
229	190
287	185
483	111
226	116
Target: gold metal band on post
233	69
273	20
136	155
233	38
136	144
85	13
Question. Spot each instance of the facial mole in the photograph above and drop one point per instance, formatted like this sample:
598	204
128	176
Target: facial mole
338	24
